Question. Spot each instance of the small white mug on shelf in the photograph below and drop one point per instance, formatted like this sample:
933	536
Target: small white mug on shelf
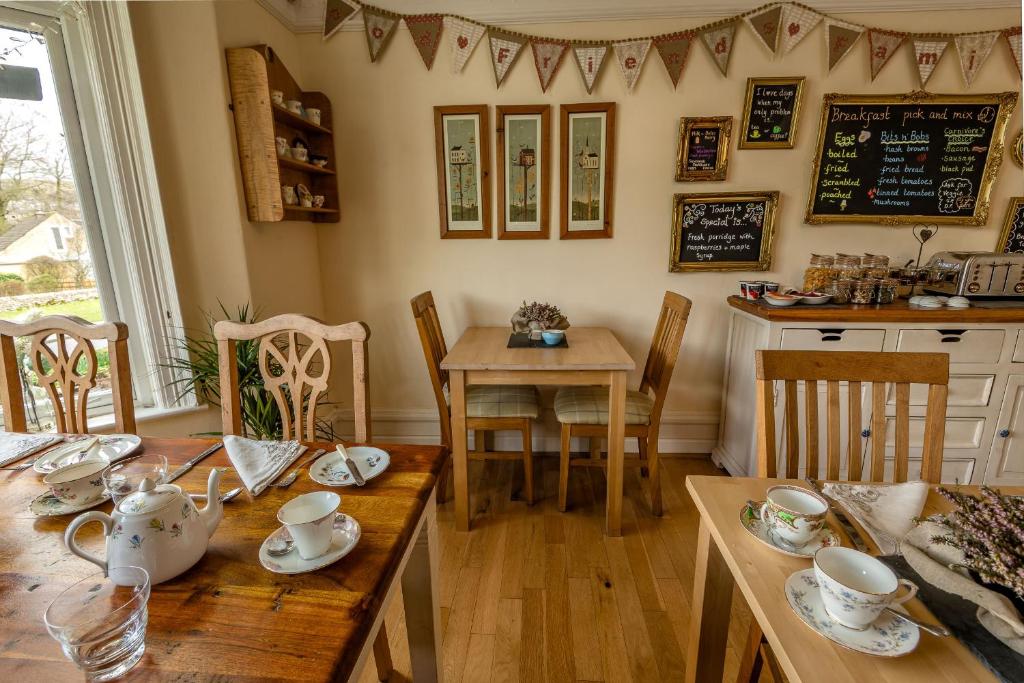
288	194
283	150
294	106
300	153
318	201
277	97
313	115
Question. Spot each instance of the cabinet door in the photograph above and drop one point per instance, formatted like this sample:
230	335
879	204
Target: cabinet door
1006	461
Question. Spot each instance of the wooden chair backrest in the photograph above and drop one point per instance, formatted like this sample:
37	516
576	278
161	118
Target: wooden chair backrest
434	350
295	363
59	345
856	368
661	359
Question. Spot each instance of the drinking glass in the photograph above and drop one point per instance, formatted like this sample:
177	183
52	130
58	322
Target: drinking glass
100	622
123	478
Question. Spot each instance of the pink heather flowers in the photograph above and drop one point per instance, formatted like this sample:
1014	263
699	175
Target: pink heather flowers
545	314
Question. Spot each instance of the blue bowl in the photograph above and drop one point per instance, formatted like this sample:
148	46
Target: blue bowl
553	337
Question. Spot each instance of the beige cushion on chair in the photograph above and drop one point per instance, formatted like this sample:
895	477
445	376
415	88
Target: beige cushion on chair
502	401
589	406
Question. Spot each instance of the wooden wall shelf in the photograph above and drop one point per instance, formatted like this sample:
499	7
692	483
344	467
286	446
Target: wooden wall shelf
253	72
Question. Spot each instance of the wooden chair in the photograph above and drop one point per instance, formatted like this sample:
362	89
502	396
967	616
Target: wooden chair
857	369
63	357
583	411
488	408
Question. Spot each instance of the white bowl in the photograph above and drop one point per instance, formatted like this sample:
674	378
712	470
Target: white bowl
781	301
823	299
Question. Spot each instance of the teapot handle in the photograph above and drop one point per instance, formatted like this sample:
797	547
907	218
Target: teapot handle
69	535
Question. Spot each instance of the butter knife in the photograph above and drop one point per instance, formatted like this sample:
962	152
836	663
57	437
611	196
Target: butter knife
840	516
191	463
352	466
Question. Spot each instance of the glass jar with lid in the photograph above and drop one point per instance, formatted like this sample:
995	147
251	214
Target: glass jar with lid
840	291
819	272
848	267
875	266
887	290
863	291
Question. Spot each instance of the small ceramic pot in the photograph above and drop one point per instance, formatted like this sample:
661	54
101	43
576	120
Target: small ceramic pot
294	106
283	150
318	160
318	201
856	587
288	194
300	153
77	484
313	115
277	97
552	337
794	514
306	202
310	521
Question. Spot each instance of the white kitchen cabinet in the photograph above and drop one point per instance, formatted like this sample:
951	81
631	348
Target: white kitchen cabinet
1006	460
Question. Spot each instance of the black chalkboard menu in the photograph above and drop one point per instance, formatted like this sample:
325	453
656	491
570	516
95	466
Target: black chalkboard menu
703	148
907	158
1011	241
723	231
770	112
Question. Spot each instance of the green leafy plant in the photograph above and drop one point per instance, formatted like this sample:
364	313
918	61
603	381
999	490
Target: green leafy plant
11	277
43	283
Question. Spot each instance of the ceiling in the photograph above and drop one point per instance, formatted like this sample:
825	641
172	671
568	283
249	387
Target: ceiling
306	16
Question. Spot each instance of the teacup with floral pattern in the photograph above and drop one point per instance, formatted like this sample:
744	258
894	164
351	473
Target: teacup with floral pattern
856	587
77	484
793	514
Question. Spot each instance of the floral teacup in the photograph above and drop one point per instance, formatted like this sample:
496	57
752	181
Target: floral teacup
793	514
856	587
77	484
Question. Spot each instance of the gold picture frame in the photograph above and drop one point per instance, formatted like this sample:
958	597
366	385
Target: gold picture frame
1006	102
723	127
1016	204
1017	151
752	83
764	259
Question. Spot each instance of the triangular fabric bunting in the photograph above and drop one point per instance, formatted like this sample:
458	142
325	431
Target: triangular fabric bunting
631	56
505	49
882	45
928	50
1013	40
590	59
719	43
841	38
425	30
765	25
673	49
379	29
974	49
336	13
797	22
463	38
547	57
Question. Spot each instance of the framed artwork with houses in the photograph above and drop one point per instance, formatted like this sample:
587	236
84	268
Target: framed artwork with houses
462	141
703	152
524	171
587	162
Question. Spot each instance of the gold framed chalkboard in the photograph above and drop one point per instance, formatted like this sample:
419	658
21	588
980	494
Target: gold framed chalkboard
771	112
722	231
1011	239
703	152
905	159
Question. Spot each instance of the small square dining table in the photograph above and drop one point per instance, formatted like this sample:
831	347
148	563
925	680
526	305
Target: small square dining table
594	357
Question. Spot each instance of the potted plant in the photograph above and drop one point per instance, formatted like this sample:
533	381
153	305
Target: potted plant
536	317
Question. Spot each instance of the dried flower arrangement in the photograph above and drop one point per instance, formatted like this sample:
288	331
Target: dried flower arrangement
538	316
989	530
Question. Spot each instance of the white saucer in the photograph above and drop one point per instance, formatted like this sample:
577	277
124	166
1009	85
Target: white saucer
346	536
113	447
752	522
46	505
330	469
889	636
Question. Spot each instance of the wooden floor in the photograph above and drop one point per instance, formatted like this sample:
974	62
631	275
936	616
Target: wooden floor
531	594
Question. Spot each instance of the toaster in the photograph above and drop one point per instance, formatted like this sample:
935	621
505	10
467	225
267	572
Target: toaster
976	274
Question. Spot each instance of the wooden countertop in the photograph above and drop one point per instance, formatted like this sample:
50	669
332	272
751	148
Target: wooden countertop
898	312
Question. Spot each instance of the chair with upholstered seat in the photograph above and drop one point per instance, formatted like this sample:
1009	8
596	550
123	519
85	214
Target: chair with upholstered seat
489	408
583	411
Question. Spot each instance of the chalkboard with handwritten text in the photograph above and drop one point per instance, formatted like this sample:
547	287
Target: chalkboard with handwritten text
723	231
770	112
907	158
703	148
1011	241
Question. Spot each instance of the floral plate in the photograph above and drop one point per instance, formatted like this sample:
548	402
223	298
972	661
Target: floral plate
889	636
346	535
47	505
113	447
750	518
330	469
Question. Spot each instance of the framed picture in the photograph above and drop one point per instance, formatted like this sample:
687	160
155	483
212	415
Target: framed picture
1017	151
587	169
1011	239
463	145
703	148
723	231
770	112
524	171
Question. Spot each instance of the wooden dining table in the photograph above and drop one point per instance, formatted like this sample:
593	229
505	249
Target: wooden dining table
227	618
594	357
728	556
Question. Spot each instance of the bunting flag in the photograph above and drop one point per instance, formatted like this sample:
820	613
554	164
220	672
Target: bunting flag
928	50
882	45
336	13
1012	36
719	43
505	49
590	59
841	37
547	57
425	30
673	49
464	36
631	56
797	22
765	25
380	27
974	49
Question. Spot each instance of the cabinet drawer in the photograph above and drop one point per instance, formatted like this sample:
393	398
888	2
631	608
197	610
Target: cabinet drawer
963	346
964	390
961	432
832	339
1018	349
958	471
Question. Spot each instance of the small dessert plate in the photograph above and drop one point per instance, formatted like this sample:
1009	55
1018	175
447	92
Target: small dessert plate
113	447
750	518
343	540
48	505
330	469
889	636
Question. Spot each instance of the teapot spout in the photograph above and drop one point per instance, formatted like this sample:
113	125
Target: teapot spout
214	510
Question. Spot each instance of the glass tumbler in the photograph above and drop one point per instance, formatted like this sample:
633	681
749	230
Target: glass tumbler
124	477
100	622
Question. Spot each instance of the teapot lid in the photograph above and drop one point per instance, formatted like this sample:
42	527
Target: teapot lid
150	497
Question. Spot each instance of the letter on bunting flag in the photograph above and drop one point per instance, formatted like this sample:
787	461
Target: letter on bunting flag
928	51
336	13
631	56
974	50
590	59
505	49
882	45
463	36
673	49
547	57
841	37
765	25
379	29
719	41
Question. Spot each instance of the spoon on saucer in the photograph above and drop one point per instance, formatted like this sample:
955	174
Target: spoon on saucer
281	544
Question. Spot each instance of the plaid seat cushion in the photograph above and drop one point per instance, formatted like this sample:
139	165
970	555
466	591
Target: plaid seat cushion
589	406
502	401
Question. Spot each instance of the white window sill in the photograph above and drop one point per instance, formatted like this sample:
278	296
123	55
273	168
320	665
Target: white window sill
104	423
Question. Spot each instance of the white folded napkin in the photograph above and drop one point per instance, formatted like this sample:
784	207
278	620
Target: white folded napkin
886	511
258	463
14	446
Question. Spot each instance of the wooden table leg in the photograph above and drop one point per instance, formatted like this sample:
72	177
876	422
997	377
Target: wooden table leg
460	460
709	616
422	603
616	446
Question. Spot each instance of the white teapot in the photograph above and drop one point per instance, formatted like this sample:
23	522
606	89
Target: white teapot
157	528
